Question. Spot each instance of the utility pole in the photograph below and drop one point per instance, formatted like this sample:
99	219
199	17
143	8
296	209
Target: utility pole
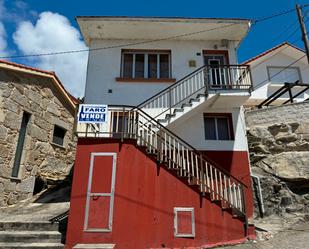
303	29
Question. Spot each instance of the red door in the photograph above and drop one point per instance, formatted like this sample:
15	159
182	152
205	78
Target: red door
100	192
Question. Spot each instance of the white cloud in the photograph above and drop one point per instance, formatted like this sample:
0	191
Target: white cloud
3	43
53	32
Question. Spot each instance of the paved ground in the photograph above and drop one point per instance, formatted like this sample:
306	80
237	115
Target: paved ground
293	238
39	208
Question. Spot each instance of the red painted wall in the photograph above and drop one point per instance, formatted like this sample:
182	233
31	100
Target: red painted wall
145	197
236	163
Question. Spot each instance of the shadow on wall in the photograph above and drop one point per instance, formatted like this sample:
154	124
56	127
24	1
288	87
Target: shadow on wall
59	191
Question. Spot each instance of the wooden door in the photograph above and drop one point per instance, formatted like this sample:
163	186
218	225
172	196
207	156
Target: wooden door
100	192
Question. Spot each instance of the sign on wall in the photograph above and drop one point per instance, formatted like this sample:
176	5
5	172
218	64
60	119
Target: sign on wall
92	113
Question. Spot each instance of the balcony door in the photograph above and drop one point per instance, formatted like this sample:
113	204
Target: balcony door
217	69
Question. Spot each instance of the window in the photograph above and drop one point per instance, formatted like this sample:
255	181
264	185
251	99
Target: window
184	222
58	136
218	126
20	143
146	64
281	74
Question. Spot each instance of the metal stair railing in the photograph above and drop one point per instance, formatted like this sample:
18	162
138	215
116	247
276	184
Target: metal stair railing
201	81
133	123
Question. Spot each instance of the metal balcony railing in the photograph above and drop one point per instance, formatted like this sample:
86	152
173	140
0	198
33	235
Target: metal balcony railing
203	80
133	123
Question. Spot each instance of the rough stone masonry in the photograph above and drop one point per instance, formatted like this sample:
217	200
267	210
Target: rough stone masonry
41	159
278	140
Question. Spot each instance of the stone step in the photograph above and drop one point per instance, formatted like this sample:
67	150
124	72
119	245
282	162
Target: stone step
8	245
30	236
28	226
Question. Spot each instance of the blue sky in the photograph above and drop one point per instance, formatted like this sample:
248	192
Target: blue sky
18	17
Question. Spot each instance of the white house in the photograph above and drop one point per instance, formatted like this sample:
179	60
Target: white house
274	67
174	92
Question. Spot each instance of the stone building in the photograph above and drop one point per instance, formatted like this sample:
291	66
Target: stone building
36	131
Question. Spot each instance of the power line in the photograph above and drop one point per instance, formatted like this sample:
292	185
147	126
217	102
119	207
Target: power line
116	46
286	67
262	19
144	42
284	32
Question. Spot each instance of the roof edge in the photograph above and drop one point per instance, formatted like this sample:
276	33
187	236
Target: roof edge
171	18
268	51
50	74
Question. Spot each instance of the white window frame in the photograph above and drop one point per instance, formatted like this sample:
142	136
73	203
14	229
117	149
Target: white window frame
184	209
146	53
282	68
216	127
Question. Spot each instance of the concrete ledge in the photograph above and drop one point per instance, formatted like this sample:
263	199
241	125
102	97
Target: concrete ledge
94	246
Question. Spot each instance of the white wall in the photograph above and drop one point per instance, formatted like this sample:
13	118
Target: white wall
191	129
260	74
104	67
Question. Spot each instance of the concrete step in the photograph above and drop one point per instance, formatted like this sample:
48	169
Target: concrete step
28	226
15	245
30	236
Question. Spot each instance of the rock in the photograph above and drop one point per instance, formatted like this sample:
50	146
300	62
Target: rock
12	199
286	138
42	123
38	133
255	158
3	132
286	200
260	148
27	185
279	154
281	165
11	105
276	128
12	121
294	208
34	96
277	187
3	151
277	148
19	98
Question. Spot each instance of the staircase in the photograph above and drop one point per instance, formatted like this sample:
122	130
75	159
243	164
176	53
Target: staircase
146	125
176	155
194	89
30	235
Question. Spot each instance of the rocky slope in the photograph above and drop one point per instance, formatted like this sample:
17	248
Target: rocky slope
279	155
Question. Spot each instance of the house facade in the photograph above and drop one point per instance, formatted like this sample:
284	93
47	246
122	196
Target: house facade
37	146
273	68
171	162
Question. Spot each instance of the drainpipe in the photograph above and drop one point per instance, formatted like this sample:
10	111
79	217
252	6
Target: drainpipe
260	201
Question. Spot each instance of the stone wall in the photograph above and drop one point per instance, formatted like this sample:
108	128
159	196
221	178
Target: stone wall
41	158
278	140
278	114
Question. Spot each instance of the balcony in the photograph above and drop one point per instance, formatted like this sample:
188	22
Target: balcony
207	80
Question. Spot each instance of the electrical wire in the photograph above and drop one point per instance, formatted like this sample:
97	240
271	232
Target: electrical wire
148	41
262	19
284	32
286	67
116	46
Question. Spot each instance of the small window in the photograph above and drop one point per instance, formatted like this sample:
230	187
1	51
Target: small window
218	126
281	74
184	222
58	136
146	64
